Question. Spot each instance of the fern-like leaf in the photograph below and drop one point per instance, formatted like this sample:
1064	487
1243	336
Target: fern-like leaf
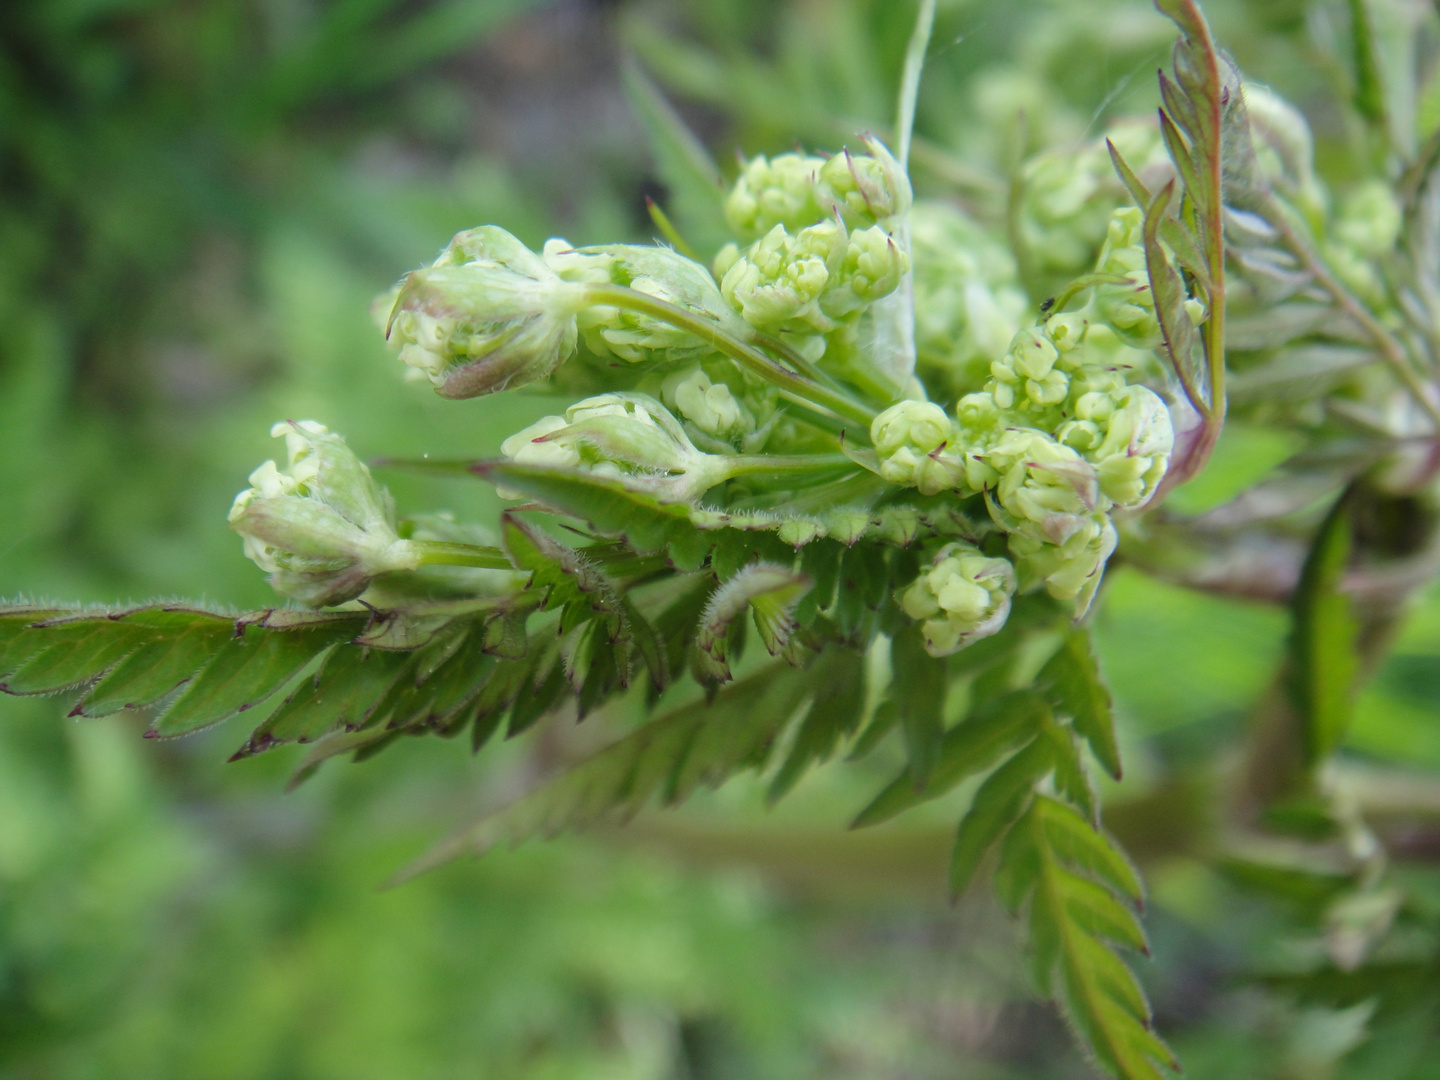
1072	881
667	759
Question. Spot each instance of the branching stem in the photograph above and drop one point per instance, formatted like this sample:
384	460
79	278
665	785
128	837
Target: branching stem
1391	349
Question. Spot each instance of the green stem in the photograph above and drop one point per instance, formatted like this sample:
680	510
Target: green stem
444	553
1390	347
748	357
1079	285
772	463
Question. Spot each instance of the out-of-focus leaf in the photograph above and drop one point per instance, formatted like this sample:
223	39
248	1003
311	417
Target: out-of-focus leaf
696	187
1074	920
1322	659
670	757
969	748
918	690
834	715
998	804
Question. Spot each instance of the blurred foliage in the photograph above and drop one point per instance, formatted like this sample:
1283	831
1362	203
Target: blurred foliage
197	202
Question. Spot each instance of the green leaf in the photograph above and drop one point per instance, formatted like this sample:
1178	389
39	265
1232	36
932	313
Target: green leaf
136	656
1077	690
611	509
1076	842
998	804
1097	912
835	714
70	653
969	748
340	695
1170	296
1071	778
668	758
248	668
696	186
560	573
1073	918
1369	83
1323	662
918	690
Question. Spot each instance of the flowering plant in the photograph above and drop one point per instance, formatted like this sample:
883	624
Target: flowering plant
901	446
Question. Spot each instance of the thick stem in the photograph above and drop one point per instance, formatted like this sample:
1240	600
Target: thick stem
633	300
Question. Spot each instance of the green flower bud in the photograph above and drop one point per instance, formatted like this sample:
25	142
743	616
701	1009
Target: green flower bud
1139	436
656	271
1032	354
323	527
866	188
630	437
961	597
1069	570
914	441
777	284
1370	219
724	259
1069	194
489	314
873	267
709	405
775	191
1044	485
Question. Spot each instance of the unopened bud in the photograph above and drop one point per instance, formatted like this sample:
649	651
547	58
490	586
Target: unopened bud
775	191
631	437
1069	570
869	187
656	271
322	527
777	283
961	597
873	267
914	442
489	314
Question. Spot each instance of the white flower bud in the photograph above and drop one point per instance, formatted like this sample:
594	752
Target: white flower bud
489	314
915	442
322	528
962	596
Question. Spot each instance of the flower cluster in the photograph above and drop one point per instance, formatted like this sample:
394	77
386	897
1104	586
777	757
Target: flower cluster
962	596
1059	434
738	383
322	527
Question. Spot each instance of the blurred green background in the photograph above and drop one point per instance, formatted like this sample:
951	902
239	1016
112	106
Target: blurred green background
198	199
